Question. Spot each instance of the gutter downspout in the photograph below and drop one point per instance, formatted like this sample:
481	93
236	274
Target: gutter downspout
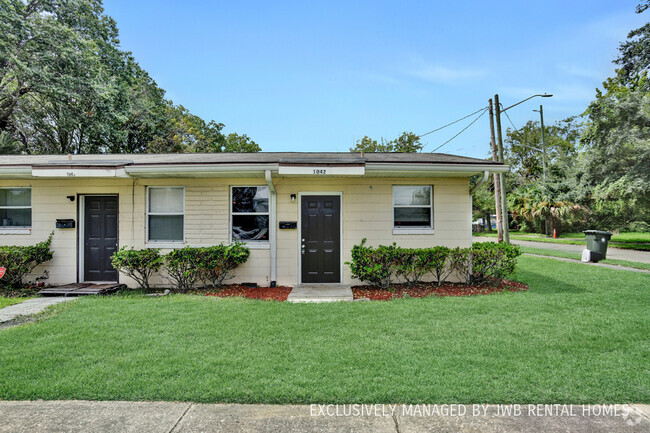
486	175
272	226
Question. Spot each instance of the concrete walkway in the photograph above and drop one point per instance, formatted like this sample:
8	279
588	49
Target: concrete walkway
29	307
601	265
612	253
320	293
144	417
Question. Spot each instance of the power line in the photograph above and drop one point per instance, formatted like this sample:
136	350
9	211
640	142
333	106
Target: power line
464	129
513	125
449	124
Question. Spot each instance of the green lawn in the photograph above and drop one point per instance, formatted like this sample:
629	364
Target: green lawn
634	241
579	335
577	256
5	302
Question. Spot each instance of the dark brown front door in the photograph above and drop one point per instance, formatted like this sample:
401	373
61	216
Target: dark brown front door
100	237
321	239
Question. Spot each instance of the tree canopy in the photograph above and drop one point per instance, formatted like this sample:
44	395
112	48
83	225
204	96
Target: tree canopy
408	142
67	87
598	163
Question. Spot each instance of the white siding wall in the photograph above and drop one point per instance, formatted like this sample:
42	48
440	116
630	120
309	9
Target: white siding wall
366	204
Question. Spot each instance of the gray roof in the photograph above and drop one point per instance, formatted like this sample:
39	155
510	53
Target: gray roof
118	160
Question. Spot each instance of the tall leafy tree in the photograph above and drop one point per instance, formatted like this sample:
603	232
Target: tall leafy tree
407	142
67	87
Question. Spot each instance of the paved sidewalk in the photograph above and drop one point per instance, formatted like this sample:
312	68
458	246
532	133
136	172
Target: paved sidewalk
164	417
29	307
612	253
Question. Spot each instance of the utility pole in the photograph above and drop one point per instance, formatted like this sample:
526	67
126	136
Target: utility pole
495	176
541	118
504	204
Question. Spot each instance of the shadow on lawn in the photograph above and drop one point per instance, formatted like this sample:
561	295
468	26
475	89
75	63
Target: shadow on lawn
543	284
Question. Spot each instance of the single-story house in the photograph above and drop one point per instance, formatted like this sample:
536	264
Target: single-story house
300	213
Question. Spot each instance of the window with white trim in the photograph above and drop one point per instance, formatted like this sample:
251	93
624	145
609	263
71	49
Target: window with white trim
15	207
413	207
165	214
249	213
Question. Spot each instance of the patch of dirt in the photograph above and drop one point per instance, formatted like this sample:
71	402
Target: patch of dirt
432	289
279	293
19	320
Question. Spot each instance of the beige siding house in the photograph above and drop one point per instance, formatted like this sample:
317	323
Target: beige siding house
300	213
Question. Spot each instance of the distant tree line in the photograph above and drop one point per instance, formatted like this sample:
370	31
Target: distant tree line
598	171
67	87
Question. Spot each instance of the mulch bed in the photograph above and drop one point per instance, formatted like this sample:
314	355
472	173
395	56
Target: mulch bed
432	289
369	292
279	293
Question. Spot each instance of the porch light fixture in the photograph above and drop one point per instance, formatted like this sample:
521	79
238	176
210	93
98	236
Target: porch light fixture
70	197
293	198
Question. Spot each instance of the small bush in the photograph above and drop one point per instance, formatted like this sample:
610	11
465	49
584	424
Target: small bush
138	264
412	264
485	262
217	262
440	263
182	267
374	265
212	265
20	261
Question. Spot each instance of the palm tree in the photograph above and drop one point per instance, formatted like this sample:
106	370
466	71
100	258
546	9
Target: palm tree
546	213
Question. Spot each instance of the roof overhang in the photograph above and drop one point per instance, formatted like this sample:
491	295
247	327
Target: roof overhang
282	169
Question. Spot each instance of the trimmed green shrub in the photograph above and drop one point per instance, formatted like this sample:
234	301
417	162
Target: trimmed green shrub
485	262
411	264
20	261
186	266
181	267
138	264
374	265
217	262
440	263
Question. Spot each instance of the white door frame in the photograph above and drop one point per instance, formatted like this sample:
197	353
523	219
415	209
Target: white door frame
308	193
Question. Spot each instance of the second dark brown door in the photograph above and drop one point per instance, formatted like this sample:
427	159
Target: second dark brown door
100	237
321	239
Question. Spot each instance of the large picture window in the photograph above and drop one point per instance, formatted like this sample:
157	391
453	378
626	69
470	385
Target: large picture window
413	207
250	213
165	213
15	207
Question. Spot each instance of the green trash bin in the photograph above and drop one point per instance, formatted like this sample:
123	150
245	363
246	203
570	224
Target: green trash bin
597	241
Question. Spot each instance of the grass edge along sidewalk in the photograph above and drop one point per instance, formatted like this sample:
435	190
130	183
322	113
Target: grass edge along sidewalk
574	256
578	335
628	241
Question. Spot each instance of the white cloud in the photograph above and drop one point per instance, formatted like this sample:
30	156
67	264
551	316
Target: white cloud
437	73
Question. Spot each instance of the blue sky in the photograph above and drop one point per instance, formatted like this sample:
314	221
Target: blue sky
317	76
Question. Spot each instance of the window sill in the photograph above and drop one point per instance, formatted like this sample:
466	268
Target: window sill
172	245
405	231
258	245
16	231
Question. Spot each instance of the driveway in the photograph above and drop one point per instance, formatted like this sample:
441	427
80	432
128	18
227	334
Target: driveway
612	253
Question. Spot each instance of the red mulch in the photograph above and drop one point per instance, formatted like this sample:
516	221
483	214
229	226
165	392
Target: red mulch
419	291
431	289
279	293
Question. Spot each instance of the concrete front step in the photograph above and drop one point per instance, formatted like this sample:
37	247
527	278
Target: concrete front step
321	293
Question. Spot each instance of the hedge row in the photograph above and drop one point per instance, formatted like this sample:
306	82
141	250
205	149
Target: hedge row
483	263
183	266
20	261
